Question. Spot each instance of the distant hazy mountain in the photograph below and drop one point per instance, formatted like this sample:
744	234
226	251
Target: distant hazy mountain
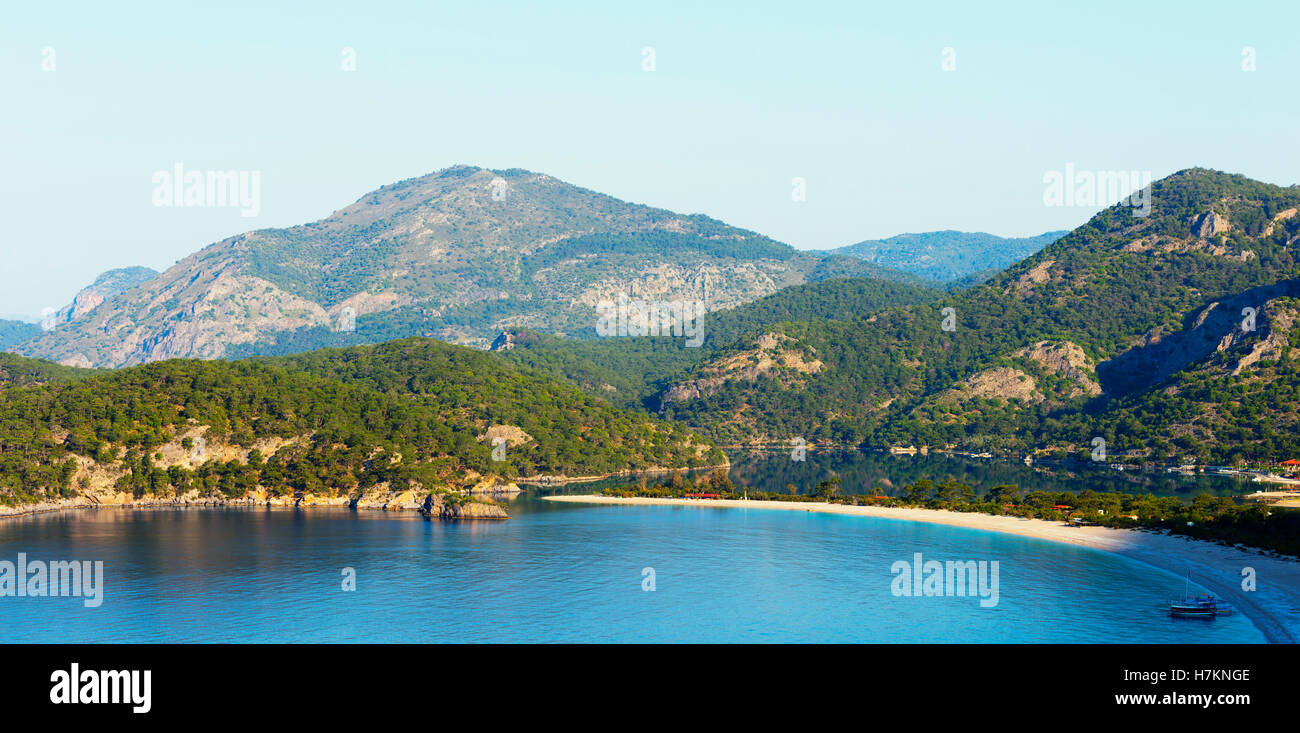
105	286
13	333
949	255
460	254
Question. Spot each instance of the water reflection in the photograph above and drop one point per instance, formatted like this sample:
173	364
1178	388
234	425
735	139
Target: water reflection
864	473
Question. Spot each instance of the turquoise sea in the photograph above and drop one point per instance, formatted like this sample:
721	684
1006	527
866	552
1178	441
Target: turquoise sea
572	573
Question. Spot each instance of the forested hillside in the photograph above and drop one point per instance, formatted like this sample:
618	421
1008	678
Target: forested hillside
417	412
1057	350
631	372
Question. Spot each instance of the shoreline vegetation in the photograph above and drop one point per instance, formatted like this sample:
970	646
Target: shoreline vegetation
562	480
1213	519
1216	563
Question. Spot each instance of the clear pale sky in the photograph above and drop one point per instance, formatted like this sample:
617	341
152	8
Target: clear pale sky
744	97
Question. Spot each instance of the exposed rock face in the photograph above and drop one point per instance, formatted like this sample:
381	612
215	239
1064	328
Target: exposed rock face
1158	355
1280	217
513	435
384	497
775	355
504	342
95	485
1002	382
436	505
1038	274
441	506
1209	224
197	309
105	286
1274	322
1065	359
493	486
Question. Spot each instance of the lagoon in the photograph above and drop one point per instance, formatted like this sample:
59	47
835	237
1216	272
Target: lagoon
572	573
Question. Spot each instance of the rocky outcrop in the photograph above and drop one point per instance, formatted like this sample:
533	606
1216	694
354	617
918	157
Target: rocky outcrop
1281	216
97	489
1159	354
435	505
1274	324
493	486
1065	359
1209	224
513	435
775	355
449	506
1003	382
503	342
1036	275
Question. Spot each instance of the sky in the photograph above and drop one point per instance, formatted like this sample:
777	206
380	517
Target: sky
894	117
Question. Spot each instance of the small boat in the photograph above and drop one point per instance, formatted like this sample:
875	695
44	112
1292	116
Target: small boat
1192	608
1201	606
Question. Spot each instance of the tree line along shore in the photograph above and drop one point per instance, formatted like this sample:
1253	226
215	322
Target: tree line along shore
1216	519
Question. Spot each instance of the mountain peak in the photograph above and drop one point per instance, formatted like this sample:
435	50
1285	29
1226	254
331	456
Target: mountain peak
460	254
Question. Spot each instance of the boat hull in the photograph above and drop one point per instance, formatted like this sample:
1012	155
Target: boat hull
1192	612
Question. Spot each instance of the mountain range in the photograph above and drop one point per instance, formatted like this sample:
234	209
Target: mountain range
949	256
1167	336
460	255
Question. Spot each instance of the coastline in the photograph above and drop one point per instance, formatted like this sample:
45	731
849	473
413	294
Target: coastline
1274	607
433	506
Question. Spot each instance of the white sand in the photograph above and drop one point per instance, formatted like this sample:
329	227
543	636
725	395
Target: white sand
1274	606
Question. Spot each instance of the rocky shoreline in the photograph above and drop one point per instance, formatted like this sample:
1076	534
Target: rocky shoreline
431	504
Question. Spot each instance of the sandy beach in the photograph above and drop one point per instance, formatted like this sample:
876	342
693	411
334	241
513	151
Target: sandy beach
1274	606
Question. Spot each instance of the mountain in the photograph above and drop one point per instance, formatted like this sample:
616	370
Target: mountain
13	333
1130	328
460	254
107	285
948	255
412	414
630	372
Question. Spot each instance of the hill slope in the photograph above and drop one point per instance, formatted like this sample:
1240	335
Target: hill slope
459	254
630	372
1042	355
411	413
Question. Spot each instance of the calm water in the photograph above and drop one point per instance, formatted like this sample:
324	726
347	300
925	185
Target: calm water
774	471
574	574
